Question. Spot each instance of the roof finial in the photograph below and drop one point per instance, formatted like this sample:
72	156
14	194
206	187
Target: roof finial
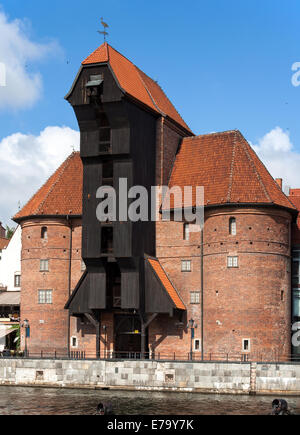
104	32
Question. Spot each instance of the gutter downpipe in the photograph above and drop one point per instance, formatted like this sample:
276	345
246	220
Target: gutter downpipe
69	279
202	296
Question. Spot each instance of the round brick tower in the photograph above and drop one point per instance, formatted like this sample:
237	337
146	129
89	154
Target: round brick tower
51	259
238	287
247	282
46	280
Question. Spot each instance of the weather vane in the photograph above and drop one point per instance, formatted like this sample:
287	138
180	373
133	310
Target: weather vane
104	32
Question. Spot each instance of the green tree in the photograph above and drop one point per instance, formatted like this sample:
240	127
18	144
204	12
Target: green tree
17	329
9	232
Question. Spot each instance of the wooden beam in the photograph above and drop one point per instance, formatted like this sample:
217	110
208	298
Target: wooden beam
94	321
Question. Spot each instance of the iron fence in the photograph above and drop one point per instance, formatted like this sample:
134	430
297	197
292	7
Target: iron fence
155	356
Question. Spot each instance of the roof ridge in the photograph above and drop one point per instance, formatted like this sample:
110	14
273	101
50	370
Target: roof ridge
157	84
231	169
276	184
107	51
217	133
63	168
145	86
244	145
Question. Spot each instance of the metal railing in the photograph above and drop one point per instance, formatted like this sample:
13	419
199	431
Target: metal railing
154	356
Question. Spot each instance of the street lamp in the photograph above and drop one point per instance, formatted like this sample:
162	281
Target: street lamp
191	324
104	327
25	325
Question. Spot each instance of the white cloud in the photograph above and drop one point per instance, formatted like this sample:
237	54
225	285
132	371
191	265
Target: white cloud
17	54
27	161
277	152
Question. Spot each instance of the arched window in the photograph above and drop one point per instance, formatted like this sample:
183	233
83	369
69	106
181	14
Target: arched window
232	226
44	234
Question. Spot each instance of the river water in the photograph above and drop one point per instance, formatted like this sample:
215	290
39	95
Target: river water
49	401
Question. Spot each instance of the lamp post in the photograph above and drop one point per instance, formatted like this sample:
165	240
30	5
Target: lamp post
25	325
104	327
191	325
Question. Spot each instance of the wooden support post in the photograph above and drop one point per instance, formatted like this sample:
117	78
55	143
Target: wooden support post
144	326
91	318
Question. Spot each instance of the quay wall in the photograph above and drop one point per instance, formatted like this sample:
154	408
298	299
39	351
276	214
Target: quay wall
205	377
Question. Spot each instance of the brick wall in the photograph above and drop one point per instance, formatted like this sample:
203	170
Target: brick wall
252	301
48	322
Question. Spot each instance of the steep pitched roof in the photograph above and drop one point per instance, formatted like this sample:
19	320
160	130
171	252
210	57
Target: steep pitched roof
135	82
60	195
228	169
164	279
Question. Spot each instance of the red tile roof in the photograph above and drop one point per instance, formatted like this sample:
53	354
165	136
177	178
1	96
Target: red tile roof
136	83
164	279
228	169
60	195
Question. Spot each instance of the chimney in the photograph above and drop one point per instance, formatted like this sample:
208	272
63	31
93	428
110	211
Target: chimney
279	182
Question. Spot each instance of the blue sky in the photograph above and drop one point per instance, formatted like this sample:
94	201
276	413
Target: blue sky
225	64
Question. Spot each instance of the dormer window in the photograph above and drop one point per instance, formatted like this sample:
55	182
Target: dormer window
93	85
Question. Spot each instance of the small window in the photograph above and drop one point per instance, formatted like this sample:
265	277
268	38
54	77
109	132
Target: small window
186	232
232	262
44	233
246	344
195	297
282	295
232	226
17	280
74	342
45	296
185	265
197	347
44	265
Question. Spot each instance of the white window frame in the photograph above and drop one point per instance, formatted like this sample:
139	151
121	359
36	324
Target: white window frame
232	226
17	274
45	297
83	266
44	265
186	265
243	344
194	344
194	297
232	261
186	232
71	342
